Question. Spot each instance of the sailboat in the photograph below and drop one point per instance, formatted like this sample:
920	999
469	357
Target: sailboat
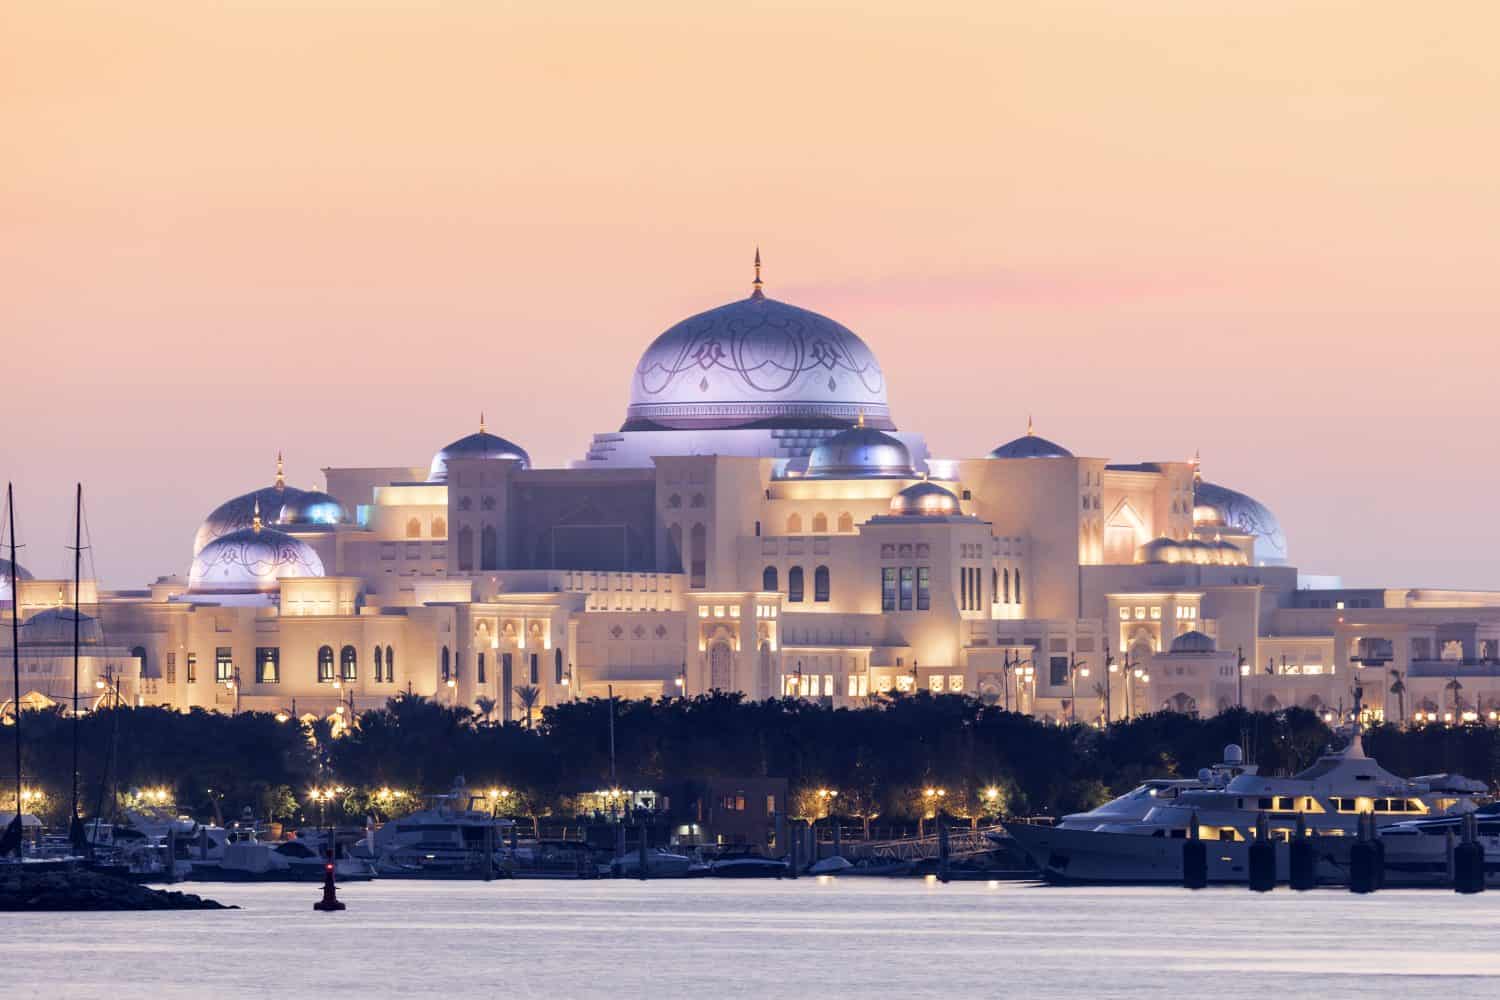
10	841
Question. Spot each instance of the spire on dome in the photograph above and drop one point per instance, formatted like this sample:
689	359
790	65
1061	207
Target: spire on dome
756	291
280	473
255	521
1197	465
481	421
1030	430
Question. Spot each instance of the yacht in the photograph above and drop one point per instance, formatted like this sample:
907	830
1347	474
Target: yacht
1417	852
659	864
448	838
1326	800
250	860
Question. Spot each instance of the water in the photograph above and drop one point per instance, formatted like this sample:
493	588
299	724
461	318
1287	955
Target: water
824	938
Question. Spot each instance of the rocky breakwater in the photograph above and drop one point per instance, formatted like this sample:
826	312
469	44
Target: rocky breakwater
78	890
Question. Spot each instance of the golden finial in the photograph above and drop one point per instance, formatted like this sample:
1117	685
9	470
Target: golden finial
860	423
481	421
1197	466
756	290
255	521
1030	431
280	473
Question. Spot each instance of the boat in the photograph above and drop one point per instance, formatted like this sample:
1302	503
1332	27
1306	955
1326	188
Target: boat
830	866
747	864
659	864
1113	845
1418	853
249	860
454	836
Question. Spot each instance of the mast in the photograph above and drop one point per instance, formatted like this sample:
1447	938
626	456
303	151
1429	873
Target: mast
77	574
15	654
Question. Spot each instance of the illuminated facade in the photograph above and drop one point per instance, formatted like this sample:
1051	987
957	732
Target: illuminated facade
760	524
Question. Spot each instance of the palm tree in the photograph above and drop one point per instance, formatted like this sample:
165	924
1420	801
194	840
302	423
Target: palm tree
1455	687
1398	688
529	695
486	707
1101	691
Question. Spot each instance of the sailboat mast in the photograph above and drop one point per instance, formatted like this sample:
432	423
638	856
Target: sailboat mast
15	642
77	574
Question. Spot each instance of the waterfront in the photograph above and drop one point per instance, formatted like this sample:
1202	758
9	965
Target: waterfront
826	938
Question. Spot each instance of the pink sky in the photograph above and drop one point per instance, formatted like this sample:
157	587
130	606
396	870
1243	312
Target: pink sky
340	229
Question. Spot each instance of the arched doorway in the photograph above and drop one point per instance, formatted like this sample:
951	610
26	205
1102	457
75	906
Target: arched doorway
720	667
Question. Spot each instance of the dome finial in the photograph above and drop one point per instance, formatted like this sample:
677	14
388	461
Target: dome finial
481	421
255	521
280	473
1030	430
860	423
1197	465
756	291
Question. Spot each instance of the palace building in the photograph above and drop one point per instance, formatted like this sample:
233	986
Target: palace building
759	523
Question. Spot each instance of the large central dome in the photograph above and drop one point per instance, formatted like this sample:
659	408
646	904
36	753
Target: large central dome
757	363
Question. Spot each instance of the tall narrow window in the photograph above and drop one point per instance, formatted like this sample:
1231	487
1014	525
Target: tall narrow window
820	585
466	548
390	664
479	669
536	669
489	549
888	589
348	663
794	585
192	668
447	667
557	663
699	557
906	588
379	664
413	528
440	527
757	529
924	588
224	664
267	665
994	586
507	685
674	549
768	581
325	664
963	588
1006	578
1018	585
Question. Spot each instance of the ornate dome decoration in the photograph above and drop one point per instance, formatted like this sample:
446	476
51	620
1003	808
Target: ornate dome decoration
860	453
236	514
925	499
54	627
1219	506
756	363
1030	445
480	445
251	561
1201	553
21	574
312	508
1194	642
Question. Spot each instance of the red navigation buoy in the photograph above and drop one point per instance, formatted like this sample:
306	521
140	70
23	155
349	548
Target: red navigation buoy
330	901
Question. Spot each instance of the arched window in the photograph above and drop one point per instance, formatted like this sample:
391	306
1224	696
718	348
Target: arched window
994	586
720	667
768	580
820	523
820	585
698	558
466	548
557	664
139	652
1007	585
413	528
325	664
348	663
440	527
674	549
447	669
390	664
846	522
1018	585
379	665
794	585
489	551
794	524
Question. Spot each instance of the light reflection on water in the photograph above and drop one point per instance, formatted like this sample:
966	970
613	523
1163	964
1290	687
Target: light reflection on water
824	937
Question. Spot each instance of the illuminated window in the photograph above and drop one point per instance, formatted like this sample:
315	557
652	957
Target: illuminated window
413	528
440	527
223	664
325	664
1140	614
846	522
1156	614
1124	614
794	524
888	589
820	523
348	663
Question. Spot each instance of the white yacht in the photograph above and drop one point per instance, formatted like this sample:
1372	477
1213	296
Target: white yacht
447	838
1417	852
1326	799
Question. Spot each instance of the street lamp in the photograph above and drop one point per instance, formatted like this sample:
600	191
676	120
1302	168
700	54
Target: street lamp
232	683
1075	670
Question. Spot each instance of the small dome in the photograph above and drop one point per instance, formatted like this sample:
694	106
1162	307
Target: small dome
1230	554
251	561
925	499
312	508
21	574
1219	506
480	445
1161	550
1031	445
1194	642
860	452
54	627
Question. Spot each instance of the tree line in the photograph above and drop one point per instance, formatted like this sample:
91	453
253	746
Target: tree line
887	759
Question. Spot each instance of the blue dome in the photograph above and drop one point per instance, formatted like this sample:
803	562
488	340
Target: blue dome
251	561
54	627
480	445
1219	506
860	452
238	514
757	363
1031	445
312	508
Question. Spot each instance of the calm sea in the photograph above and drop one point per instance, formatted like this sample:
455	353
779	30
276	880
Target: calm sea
808	938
